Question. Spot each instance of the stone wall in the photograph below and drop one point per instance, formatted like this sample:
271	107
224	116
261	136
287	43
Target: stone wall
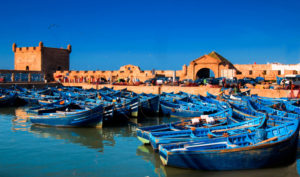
220	66
15	76
268	71
29	85
202	90
54	59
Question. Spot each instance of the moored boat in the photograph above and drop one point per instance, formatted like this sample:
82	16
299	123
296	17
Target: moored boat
194	134
276	147
74	116
8	99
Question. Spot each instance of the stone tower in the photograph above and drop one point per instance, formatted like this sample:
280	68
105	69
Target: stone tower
45	59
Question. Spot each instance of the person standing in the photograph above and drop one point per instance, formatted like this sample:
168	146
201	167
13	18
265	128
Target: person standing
235	89
290	84
223	82
283	82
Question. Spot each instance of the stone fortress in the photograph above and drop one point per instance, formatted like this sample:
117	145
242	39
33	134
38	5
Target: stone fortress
55	64
45	59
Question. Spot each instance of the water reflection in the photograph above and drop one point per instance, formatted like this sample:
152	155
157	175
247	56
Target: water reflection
20	121
7	111
89	137
147	154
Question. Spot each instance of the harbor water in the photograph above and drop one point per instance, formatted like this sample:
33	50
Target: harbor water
33	151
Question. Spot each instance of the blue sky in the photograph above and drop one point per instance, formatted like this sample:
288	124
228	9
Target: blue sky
153	34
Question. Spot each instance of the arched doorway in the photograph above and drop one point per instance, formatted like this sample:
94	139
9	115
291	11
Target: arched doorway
205	73
27	68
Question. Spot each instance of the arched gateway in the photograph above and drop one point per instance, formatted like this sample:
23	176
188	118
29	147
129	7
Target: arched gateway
204	73
204	66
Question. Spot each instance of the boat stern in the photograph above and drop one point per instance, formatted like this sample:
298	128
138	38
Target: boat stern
163	155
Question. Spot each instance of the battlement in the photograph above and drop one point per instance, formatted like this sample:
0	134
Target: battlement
27	49
38	48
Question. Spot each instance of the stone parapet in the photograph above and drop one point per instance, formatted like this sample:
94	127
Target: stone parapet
202	90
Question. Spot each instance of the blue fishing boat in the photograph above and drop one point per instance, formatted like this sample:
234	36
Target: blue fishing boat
272	101
245	112
45	102
148	104
123	107
263	148
143	133
74	116
50	108
184	109
8	99
108	108
194	134
291	108
220	104
272	111
209	95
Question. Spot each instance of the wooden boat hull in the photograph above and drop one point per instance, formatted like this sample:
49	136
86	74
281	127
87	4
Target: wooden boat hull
46	109
29	100
108	113
268	155
175	112
8	100
149	106
143	133
119	114
239	152
167	137
88	118
134	107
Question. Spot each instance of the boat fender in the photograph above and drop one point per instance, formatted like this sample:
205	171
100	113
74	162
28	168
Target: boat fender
195	121
210	135
225	134
210	120
204	116
193	128
173	110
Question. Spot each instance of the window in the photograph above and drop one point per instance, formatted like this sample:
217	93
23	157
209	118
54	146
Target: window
294	72
279	72
264	72
250	72
129	68
27	68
